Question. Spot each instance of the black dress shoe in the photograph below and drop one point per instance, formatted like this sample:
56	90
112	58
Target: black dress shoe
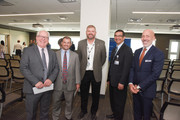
110	116
93	117
81	115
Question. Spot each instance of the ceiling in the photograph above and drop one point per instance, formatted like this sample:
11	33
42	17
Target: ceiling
121	13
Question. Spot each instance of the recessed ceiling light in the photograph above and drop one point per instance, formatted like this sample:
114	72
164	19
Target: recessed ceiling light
174	13
135	19
62	18
33	14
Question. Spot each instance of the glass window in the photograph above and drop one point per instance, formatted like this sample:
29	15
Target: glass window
174	46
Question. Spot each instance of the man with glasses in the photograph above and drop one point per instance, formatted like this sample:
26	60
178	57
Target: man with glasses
121	59
40	68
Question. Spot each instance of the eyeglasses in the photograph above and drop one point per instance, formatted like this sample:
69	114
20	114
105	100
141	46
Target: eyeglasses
43	37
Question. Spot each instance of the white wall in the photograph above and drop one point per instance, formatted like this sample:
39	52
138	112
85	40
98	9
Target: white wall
14	36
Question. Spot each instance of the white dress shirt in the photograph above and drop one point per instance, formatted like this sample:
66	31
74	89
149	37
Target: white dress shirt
90	55
46	54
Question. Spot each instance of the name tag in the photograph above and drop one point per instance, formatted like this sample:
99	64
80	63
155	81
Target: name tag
116	62
148	60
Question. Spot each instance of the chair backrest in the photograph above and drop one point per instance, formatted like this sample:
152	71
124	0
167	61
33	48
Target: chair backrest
176	67
14	63
7	56
163	74
16	57
174	87
3	62
175	74
170	111
4	72
16	73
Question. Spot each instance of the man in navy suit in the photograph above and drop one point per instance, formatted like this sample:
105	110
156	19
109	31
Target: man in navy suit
146	67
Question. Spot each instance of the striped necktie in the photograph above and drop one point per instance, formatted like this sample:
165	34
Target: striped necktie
64	73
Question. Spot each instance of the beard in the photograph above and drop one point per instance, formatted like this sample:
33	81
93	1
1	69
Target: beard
90	37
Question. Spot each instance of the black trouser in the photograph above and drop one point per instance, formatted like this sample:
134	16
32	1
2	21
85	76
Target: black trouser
117	101
18	52
85	84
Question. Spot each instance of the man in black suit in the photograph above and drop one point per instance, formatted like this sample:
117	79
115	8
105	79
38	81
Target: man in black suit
121	59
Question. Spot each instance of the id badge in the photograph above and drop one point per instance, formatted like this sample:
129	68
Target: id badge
116	62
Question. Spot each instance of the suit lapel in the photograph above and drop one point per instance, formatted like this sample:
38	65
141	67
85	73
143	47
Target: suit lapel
50	59
70	58
38	54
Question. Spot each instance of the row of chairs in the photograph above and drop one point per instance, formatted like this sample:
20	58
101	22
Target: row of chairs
10	72
169	84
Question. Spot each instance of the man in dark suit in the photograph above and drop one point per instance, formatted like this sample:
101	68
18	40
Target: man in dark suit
92	56
40	68
121	59
68	85
146	67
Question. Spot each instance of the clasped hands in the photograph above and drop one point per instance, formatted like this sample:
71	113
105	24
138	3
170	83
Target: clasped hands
40	84
133	88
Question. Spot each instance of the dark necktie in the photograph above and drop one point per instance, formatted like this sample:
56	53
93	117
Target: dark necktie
64	73
44	64
115	52
142	56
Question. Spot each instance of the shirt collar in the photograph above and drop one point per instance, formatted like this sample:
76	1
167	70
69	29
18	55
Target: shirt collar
147	48
118	46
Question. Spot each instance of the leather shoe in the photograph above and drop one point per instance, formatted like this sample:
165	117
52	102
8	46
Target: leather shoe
81	115
93	117
110	116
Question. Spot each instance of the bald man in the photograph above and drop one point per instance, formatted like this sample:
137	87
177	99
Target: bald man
145	70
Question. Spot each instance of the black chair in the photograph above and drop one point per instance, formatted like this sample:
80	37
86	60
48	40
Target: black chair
170	111
174	90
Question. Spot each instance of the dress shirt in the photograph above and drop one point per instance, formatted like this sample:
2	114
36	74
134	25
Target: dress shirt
46	54
17	46
90	55
62	57
118	47
147	49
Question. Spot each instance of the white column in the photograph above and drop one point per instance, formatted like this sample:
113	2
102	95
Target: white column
97	13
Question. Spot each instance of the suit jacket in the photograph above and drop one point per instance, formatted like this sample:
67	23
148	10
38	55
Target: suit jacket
73	67
120	73
146	75
31	67
99	58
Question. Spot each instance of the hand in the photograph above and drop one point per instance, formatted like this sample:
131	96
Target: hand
47	83
133	88
39	85
77	87
120	86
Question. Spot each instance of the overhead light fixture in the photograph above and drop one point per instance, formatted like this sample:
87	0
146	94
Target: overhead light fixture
172	20
31	14
147	0
67	1
49	23
135	19
62	18
175	28
172	13
150	24
37	25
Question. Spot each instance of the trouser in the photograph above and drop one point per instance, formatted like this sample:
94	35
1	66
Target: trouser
85	84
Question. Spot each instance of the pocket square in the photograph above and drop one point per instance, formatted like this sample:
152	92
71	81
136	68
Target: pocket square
148	60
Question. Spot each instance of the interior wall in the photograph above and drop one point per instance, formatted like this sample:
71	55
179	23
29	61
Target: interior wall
14	36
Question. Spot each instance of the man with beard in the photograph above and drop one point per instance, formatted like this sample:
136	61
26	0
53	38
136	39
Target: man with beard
92	56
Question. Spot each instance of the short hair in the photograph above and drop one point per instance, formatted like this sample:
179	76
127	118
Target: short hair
91	26
60	41
66	37
123	33
41	31
18	41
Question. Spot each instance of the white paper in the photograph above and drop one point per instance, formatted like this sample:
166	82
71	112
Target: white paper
44	89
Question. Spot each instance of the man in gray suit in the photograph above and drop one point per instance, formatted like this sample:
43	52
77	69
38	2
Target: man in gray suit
40	68
68	79
92	56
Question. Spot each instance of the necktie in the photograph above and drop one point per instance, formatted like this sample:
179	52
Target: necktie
142	56
64	73
44	64
115	51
